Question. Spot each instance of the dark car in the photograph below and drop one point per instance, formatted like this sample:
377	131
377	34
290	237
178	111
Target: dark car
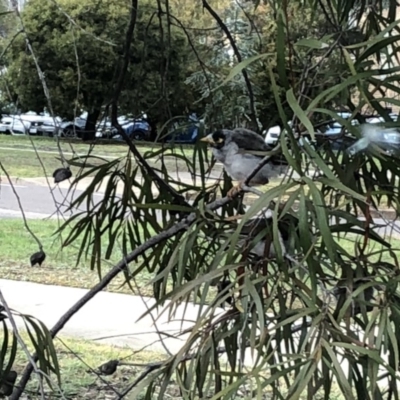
136	129
184	131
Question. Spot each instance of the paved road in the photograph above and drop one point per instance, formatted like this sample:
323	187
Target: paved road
41	202
34	199
37	201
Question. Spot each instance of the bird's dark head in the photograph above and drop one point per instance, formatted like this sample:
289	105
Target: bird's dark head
216	139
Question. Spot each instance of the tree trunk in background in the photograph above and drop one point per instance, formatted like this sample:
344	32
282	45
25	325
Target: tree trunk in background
154	130
90	127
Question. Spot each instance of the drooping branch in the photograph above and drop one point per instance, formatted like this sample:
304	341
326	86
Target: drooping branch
121	266
253	114
124	68
202	65
162	185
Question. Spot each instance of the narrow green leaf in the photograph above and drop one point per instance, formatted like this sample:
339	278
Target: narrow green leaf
237	69
322	218
337	370
295	106
312	43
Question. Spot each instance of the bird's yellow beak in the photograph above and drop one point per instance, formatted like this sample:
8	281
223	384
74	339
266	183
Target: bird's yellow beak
208	139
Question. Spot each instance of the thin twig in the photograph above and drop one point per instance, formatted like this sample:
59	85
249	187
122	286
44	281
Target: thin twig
73	22
253	113
153	319
42	79
157	365
90	368
162	185
58	211
21	208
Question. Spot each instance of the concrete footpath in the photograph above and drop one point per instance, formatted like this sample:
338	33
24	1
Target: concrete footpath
109	318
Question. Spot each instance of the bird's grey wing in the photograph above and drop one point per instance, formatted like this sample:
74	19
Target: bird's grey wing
255	226
249	140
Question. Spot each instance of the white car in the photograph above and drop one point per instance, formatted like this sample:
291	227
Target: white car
272	135
13	125
30	123
44	125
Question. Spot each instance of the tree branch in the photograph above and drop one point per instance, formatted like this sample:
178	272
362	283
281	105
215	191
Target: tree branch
253	114
263	162
161	184
162	236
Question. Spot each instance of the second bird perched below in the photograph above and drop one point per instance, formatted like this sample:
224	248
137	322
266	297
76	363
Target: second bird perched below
233	148
257	233
61	174
109	367
38	258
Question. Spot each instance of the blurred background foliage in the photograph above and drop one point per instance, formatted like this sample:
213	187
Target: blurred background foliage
319	322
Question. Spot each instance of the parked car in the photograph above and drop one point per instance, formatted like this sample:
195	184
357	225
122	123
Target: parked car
75	128
341	139
183	130
135	128
45	126
272	135
10	125
31	123
18	124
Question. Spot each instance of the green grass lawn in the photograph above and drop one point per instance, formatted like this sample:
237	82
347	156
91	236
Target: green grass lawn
59	268
19	158
17	245
76	359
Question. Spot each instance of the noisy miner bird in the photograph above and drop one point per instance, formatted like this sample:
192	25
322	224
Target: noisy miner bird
61	174
342	291
109	367
257	234
38	258
221	290
240	151
374	135
7	383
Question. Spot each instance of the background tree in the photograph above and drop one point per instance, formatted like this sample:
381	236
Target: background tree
79	49
300	313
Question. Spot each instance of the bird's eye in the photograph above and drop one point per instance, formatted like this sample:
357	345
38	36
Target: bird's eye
220	140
